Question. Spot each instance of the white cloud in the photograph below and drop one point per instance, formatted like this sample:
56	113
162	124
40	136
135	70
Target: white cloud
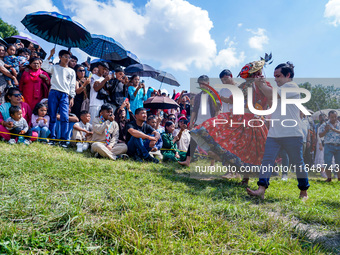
332	12
14	11
239	24
259	39
172	32
229	58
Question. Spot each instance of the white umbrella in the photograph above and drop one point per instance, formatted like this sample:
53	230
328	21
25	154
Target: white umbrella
316	115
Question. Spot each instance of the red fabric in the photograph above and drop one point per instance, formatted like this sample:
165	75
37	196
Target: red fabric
33	87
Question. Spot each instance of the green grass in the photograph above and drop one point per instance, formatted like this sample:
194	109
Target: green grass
56	201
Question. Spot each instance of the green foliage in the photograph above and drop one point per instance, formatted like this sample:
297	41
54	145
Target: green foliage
322	97
7	30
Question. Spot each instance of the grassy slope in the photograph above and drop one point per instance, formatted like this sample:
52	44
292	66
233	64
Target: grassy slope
57	201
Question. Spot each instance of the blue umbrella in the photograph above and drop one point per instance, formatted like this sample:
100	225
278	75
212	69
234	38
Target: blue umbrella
167	78
141	70
57	28
105	48
130	60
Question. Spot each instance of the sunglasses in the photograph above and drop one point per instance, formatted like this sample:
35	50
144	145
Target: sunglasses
17	95
82	70
172	118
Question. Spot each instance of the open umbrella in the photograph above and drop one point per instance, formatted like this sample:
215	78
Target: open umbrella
3	42
131	59
105	47
57	28
167	78
112	65
316	114
142	70
25	40
160	102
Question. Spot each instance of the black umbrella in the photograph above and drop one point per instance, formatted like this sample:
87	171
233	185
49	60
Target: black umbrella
57	28
142	70
131	59
160	102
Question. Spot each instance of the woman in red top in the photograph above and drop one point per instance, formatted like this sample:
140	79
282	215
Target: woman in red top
238	144
34	83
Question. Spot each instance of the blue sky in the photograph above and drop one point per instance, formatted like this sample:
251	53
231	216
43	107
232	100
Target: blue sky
190	38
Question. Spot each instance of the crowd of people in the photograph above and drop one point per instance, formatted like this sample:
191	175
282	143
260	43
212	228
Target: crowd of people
90	107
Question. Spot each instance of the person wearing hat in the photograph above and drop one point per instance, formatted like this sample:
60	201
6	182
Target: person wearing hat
238	144
227	78
98	82
116	89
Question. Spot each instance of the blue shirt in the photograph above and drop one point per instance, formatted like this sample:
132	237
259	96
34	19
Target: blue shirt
136	101
331	136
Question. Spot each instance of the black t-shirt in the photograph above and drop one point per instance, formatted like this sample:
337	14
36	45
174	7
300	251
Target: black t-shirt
117	92
145	128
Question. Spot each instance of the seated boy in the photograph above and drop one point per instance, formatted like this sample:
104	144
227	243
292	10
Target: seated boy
20	126
155	150
82	130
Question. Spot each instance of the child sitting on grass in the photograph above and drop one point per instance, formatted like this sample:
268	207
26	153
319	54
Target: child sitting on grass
20	126
82	130
40	121
170	151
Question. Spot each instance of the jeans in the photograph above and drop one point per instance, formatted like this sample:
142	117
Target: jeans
331	150
43	132
17	131
57	99
285	160
136	147
293	147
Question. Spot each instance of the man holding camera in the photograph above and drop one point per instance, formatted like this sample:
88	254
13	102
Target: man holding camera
116	89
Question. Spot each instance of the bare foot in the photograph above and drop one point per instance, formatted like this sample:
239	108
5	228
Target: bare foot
186	162
244	182
303	195
257	193
328	180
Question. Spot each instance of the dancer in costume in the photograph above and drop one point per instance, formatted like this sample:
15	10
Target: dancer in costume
239	144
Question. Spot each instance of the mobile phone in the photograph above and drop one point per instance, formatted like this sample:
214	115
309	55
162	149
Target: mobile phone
36	46
143	81
17	41
88	60
126	100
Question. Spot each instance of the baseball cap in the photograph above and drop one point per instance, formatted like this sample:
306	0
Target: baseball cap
118	69
104	64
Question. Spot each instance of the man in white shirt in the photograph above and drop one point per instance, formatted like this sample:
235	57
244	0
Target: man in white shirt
279	136
227	78
98	82
61	95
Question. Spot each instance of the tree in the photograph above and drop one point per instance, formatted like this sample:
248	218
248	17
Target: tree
322	97
7	30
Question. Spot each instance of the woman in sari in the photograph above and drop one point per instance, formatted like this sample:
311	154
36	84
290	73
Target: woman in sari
242	143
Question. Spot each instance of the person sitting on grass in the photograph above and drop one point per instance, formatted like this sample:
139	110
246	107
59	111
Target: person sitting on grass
105	133
137	131
20	126
169	144
40	121
82	130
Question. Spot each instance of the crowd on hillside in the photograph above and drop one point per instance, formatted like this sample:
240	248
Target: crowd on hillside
91	107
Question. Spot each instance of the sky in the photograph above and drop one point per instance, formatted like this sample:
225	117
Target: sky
195	37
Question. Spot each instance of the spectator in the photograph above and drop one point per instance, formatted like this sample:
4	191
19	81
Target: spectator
40	122
183	134
4	72
331	131
121	119
136	132
13	98
11	63
19	127
170	151
97	83
106	130
155	151
227	78
81	92
34	83
116	89
72	62
82	130
61	96
137	93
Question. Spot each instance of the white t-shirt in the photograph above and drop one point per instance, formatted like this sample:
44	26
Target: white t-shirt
292	112
86	126
63	78
183	143
93	94
201	118
225	106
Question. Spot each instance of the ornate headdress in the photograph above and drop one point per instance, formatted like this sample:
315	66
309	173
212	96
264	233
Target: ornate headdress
255	66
